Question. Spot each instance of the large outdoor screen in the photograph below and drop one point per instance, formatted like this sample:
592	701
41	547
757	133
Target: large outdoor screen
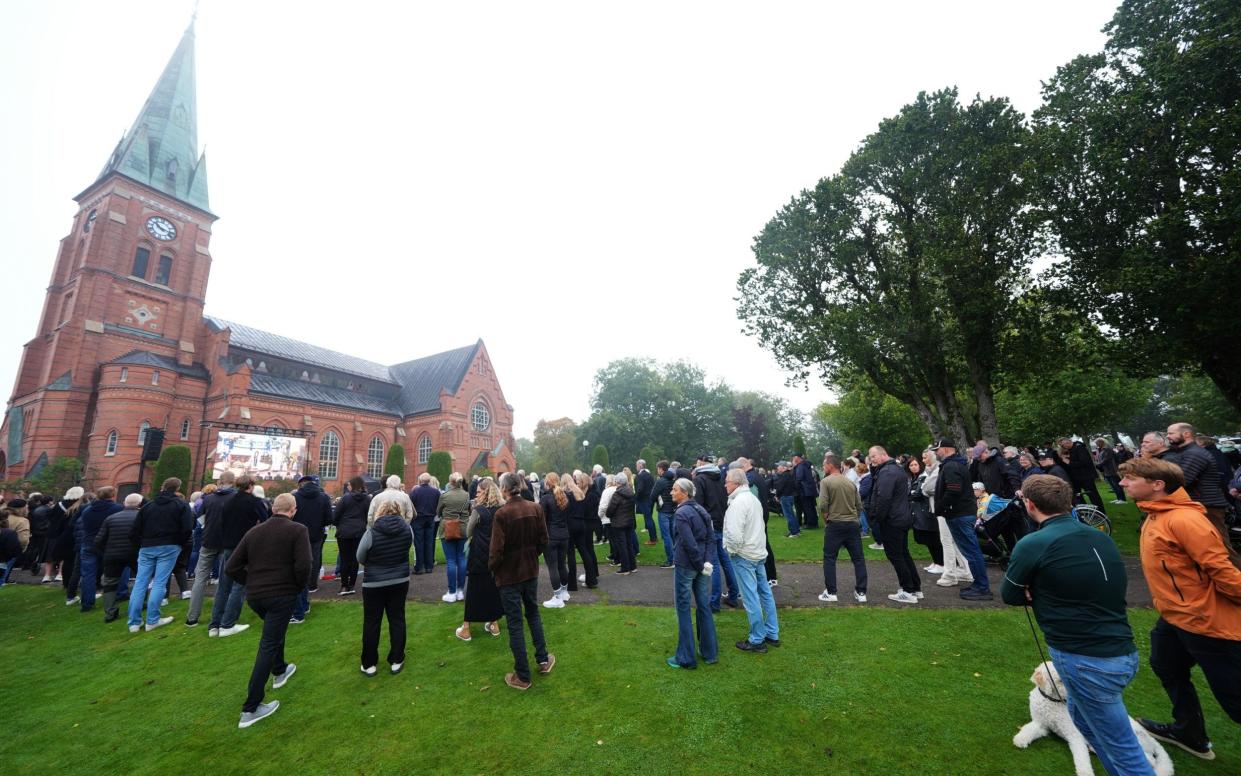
262	457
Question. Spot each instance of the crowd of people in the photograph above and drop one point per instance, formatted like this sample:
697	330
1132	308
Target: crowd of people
965	506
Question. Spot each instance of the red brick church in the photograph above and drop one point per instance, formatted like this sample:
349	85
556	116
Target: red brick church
124	345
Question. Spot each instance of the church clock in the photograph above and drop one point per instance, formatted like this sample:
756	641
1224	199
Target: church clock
161	228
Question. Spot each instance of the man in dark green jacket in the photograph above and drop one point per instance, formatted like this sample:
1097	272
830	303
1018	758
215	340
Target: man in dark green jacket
1074	578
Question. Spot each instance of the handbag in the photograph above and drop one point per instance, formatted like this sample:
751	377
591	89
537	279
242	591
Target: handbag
452	530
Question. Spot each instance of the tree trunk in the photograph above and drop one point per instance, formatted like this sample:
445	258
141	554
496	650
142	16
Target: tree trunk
1225	372
984	395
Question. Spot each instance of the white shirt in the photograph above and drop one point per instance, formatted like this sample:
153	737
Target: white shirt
744	532
603	504
853	477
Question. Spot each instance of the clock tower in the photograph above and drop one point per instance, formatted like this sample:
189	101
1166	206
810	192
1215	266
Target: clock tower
129	277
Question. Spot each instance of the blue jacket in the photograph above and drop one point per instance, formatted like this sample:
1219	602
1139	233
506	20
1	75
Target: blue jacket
661	495
804	478
694	538
91	520
426	498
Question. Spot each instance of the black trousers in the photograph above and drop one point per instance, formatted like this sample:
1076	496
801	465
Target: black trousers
625	540
1007	527
519	599
849	536
316	564
376	602
270	659
770	563
1083	489
556	554
807	511
581	540
896	547
347	550
930	540
1174	652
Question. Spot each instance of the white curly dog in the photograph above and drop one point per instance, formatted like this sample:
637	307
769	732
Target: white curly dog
1050	715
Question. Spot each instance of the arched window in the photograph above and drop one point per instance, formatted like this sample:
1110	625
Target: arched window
142	432
164	271
185	429
110	446
424	448
142	257
90	221
329	455
480	417
375	457
155	377
124	374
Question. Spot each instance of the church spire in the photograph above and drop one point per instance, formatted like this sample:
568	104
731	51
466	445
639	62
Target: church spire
161	148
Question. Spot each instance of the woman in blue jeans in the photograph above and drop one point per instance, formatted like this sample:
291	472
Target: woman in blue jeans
453	512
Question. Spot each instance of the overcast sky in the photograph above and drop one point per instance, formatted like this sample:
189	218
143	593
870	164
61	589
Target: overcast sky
571	182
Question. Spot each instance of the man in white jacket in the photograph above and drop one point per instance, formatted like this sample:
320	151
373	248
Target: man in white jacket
394	492
745	541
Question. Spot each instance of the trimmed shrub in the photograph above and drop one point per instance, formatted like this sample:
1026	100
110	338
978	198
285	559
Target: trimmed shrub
600	456
395	462
651	454
799	445
174	461
439	466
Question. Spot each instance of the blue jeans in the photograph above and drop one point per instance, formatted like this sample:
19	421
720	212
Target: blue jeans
88	569
722	566
1094	686
790	516
454	558
196	543
154	566
756	597
665	530
962	530
690	582
424	543
229	597
865	524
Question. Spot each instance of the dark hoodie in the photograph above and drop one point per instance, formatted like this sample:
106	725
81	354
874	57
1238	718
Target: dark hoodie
314	510
709	491
661	495
349	516
114	542
213	516
384	551
557	518
91	518
165	521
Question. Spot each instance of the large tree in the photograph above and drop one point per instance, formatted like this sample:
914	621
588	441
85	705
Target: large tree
1139	149
555	443
899	267
863	416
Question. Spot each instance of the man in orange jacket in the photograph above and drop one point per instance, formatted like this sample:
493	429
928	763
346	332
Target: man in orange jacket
1197	592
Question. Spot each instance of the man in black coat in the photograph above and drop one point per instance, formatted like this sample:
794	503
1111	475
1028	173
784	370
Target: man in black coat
160	529
241	513
803	477
1082	472
954	501
890	516
212	541
643	487
314	511
710	493
119	553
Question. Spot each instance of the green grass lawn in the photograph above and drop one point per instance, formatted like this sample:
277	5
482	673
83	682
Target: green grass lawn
851	691
809	547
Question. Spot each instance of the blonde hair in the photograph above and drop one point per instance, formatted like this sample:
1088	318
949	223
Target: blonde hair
552	483
583	483
487	494
610	482
566	482
388	508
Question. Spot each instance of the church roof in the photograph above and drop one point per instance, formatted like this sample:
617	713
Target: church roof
420	381
160	150
423	378
147	358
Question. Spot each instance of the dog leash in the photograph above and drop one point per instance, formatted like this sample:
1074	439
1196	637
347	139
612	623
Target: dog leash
1039	646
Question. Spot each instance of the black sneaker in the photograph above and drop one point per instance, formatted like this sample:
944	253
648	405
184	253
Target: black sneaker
746	646
732	603
1170	735
972	593
111	617
771	641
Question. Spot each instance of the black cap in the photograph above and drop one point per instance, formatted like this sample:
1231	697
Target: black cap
707	457
308	478
16	503
1046	454
944	442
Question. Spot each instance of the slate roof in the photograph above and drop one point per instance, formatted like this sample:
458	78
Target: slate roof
147	358
423	378
320	394
247	338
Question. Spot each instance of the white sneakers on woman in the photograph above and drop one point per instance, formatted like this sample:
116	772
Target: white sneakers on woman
448	597
559	596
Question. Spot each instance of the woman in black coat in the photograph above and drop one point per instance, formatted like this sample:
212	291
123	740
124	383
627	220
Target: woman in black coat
621	511
581	536
482	597
926	527
349	517
556	507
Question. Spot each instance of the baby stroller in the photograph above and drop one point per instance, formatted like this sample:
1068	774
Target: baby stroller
1000	528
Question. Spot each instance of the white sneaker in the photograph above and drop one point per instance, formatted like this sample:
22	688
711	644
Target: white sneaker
72	601
58	578
946	581
773	582
164	602
46	578
934	568
827	598
238	628
562	593
581	578
186	595
553	603
280	680
248	718
919	595
902	597
448	597
1118	501
213	632
859	597
460	595
369	671
876	546
162	622
396	667
134	628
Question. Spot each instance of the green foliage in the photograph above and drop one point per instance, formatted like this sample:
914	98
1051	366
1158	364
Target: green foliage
394	463
863	416
1077	399
556	447
1137	175
524	450
1196	399
799	445
651	454
174	461
899	267
482	471
439	466
599	455
766	427
60	474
